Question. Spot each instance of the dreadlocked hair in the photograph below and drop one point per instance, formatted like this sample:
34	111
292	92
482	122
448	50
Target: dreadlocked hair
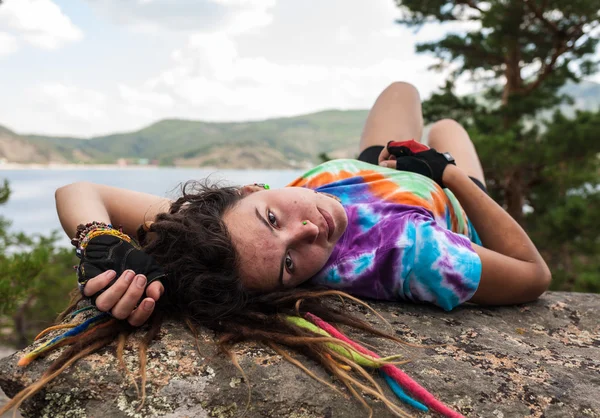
192	244
203	288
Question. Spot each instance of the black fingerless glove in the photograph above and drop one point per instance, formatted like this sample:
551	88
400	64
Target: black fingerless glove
425	161
109	252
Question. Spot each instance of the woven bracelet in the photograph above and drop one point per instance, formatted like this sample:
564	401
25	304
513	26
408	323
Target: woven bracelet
93	229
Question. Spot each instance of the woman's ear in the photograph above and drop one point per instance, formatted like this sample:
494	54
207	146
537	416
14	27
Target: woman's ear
249	189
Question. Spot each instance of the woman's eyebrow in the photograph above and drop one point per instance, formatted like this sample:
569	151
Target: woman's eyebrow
264	221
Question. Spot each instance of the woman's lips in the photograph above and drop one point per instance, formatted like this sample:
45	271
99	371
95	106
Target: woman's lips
330	223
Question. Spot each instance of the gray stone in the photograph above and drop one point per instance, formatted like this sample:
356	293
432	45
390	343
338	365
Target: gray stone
536	360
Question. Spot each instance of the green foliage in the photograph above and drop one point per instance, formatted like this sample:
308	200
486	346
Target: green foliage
534	45
535	30
4	192
565	196
35	279
541	165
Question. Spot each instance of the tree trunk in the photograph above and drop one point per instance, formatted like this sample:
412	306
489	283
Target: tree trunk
20	325
512	73
514	188
514	197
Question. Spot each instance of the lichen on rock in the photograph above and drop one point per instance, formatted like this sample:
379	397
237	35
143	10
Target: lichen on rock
536	360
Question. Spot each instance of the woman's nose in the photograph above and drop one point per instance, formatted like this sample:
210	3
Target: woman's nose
305	231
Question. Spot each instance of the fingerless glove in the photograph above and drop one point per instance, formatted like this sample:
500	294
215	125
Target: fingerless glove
418	158
109	252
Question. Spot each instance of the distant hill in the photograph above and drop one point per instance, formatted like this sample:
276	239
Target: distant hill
273	143
20	149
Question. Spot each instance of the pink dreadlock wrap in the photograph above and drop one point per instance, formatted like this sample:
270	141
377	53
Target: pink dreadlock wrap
395	373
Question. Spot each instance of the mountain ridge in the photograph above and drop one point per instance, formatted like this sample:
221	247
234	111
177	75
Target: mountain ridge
283	142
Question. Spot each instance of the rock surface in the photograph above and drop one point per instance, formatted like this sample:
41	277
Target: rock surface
536	360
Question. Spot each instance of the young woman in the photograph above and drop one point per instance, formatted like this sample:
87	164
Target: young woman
241	260
285	237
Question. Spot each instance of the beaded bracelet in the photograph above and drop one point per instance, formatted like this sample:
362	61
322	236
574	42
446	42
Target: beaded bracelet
83	230
93	229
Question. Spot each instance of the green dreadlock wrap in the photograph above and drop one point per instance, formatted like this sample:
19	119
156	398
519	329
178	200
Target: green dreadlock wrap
355	356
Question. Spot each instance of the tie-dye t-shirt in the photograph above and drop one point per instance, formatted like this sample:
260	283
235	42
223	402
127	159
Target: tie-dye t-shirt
407	238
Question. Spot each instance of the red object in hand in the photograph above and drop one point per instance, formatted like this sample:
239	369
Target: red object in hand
395	147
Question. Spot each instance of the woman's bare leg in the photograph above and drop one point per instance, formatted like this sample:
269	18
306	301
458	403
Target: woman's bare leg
447	135
395	116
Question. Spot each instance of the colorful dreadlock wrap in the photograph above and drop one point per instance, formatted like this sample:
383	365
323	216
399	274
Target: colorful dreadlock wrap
78	330
394	377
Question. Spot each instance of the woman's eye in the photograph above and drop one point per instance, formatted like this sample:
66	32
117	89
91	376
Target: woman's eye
272	219
289	263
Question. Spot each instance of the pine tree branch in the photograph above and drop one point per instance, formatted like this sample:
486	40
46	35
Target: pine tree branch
562	47
453	47
471	4
547	68
536	176
540	15
473	51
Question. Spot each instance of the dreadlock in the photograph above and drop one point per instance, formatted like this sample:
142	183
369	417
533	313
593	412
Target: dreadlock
203	288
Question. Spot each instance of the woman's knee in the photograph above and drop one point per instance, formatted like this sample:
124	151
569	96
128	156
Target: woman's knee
395	116
447	135
447	129
446	124
403	89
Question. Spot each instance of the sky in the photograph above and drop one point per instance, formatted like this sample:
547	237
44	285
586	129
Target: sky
92	67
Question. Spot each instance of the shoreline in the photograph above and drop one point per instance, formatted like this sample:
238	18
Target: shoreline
63	166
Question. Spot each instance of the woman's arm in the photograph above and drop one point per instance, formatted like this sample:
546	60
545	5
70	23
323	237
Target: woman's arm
82	202
513	270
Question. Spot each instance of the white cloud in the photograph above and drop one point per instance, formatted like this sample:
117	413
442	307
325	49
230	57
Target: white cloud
65	109
152	16
344	34
145	104
73	102
221	76
8	44
210	79
290	61
38	22
213	80
133	96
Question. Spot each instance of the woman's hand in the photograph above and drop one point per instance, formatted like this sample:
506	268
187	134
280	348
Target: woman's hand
121	299
103	258
416	158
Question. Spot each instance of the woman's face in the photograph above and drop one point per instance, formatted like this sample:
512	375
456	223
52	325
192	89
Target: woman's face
283	236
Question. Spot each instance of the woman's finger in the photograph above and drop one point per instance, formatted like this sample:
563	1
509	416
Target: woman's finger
98	283
388	163
111	296
155	290
142	313
126	304
384	155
